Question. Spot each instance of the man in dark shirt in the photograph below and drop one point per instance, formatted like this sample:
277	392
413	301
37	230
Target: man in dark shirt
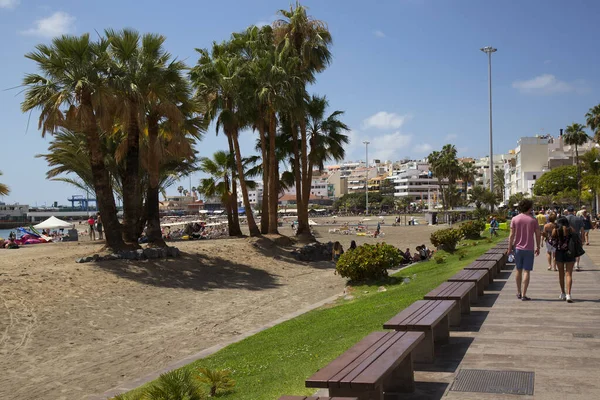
577	224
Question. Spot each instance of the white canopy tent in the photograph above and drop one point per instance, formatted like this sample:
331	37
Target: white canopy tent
54	223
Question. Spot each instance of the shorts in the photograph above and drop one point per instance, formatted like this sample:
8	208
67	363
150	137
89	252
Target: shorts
562	256
524	259
550	248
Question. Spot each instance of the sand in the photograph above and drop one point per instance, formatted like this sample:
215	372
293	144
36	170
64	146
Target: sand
70	330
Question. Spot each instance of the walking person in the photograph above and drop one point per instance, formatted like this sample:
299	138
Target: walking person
525	238
561	234
91	223
99	227
546	236
577	224
494	225
587	225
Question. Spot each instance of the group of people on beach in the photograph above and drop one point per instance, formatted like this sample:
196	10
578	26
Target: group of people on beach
564	234
422	254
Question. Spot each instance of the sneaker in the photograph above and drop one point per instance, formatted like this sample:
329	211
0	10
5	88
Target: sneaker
577	268
562	296
569	299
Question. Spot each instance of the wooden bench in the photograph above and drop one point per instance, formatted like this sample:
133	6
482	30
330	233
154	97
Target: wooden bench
316	398
498	258
381	362
497	250
457	291
477	276
429	317
489	266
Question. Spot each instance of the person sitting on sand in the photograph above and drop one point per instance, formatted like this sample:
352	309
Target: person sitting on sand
337	252
352	245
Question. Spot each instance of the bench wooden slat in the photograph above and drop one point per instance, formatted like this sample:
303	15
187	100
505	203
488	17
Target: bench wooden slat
352	370
324	375
451	290
420	314
400	348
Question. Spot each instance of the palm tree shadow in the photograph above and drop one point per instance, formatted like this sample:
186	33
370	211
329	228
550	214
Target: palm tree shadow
197	272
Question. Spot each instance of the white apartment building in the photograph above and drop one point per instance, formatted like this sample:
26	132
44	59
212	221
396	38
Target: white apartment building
535	156
13	210
414	181
255	195
483	167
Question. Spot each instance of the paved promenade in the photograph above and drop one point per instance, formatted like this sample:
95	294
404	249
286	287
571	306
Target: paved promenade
557	341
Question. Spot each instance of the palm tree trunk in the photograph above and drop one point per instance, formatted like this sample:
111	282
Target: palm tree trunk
264	216
152	193
578	176
131	186
305	189
235	229
227	204
273	178
303	227
102	183
254	231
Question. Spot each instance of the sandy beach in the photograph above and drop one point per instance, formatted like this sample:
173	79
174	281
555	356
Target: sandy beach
69	330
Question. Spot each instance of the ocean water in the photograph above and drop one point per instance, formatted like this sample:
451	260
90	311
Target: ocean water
4	233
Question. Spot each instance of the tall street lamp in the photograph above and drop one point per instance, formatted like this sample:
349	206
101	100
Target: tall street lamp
366	142
489	50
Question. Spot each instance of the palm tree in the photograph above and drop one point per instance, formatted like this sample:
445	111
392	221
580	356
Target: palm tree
307	41
219	81
73	77
499	183
575	135
593	121
4	190
444	165
467	175
66	157
219	183
180	189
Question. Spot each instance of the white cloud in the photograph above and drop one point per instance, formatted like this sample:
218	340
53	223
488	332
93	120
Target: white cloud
549	84
389	146
9	3
423	148
451	136
57	24
379	33
385	120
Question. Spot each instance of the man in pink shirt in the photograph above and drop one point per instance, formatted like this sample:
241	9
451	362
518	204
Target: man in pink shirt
523	229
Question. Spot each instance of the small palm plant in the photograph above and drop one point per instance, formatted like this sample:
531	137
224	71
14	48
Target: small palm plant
175	385
218	380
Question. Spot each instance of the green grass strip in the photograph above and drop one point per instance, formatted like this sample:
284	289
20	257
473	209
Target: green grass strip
277	361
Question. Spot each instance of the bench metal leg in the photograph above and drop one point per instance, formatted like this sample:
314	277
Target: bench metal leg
402	379
376	394
481	286
455	315
424	352
441	332
465	305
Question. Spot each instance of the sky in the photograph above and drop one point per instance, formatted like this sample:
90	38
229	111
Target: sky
408	74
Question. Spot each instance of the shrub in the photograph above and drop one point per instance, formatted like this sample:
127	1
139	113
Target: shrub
217	380
472	229
368	262
177	384
439	259
462	253
446	239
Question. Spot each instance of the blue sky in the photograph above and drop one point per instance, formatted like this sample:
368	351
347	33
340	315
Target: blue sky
408	73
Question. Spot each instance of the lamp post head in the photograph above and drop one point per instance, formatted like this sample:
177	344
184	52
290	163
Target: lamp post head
366	142
488	49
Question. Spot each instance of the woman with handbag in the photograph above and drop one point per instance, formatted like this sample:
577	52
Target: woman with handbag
565	260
